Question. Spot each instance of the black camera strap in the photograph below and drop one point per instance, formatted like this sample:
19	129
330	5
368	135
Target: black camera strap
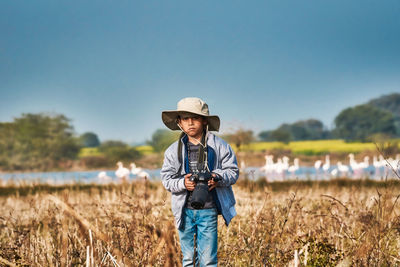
202	161
202	152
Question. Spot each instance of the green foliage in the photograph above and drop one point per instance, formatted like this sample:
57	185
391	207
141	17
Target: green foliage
281	135
37	141
390	103
145	150
240	137
310	129
115	151
89	152
162	139
360	122
89	139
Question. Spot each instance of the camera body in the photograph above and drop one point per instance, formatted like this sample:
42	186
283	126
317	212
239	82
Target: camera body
200	192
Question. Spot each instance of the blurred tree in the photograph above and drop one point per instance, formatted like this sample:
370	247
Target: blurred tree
162	139
281	135
359	122
390	103
37	141
7	143
310	129
89	139
265	136
240	137
115	151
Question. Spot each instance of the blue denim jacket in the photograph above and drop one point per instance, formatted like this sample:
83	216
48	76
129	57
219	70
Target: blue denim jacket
225	165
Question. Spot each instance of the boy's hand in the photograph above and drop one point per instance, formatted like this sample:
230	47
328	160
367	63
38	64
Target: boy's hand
189	184
211	183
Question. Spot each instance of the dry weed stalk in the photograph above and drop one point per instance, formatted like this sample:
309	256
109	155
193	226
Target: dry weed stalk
326	225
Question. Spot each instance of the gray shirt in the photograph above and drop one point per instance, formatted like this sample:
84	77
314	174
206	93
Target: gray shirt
195	166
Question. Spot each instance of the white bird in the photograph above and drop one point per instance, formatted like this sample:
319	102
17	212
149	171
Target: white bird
317	164
135	170
327	164
293	168
144	175
279	168
334	172
242	165
395	163
357	168
378	165
103	177
139	172
343	169
353	163
122	173
268	168
364	164
285	161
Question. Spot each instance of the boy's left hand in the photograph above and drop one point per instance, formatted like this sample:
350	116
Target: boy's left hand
211	183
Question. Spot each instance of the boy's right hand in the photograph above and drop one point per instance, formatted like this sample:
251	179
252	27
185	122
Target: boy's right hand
189	184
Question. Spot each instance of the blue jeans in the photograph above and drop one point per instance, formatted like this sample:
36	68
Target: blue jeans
203	223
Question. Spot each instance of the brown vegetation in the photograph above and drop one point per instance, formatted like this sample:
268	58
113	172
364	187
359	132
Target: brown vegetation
351	223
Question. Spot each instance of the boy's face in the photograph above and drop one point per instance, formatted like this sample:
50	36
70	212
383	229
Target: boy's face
192	124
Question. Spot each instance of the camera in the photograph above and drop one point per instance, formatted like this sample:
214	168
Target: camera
200	192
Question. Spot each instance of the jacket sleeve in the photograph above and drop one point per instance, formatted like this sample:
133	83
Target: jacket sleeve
171	180
228	169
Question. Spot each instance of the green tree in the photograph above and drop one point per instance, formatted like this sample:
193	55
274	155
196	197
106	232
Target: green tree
390	103
89	139
281	135
265	136
162	139
310	129
7	144
240	137
359	122
37	141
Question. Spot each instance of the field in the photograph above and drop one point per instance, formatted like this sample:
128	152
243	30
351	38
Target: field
317	147
352	223
312	147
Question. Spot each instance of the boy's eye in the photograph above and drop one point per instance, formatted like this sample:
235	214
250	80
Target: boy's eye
193	118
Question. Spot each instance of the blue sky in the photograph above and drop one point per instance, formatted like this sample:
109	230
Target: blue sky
113	66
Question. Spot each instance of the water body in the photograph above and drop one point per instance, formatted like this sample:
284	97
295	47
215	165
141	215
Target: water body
252	173
70	177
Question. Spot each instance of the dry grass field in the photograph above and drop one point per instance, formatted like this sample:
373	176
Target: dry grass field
337	223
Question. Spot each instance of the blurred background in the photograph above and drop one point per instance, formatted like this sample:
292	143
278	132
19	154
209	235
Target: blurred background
83	83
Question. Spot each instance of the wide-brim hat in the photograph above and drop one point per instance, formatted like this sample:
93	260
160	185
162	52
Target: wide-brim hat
192	105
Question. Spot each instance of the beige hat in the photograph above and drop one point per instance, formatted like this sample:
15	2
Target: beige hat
190	105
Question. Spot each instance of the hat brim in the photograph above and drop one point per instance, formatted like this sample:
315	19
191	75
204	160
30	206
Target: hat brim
170	117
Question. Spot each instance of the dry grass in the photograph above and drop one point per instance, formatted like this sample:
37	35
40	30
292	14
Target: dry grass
131	225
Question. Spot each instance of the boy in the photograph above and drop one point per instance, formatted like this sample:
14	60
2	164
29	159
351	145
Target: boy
198	151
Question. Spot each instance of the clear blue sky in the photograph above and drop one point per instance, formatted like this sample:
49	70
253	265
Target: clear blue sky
113	66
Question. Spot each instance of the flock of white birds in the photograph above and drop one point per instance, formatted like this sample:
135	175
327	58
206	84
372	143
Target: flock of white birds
282	169
123	174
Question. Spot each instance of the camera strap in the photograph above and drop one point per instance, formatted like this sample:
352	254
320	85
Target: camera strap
203	152
202	161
